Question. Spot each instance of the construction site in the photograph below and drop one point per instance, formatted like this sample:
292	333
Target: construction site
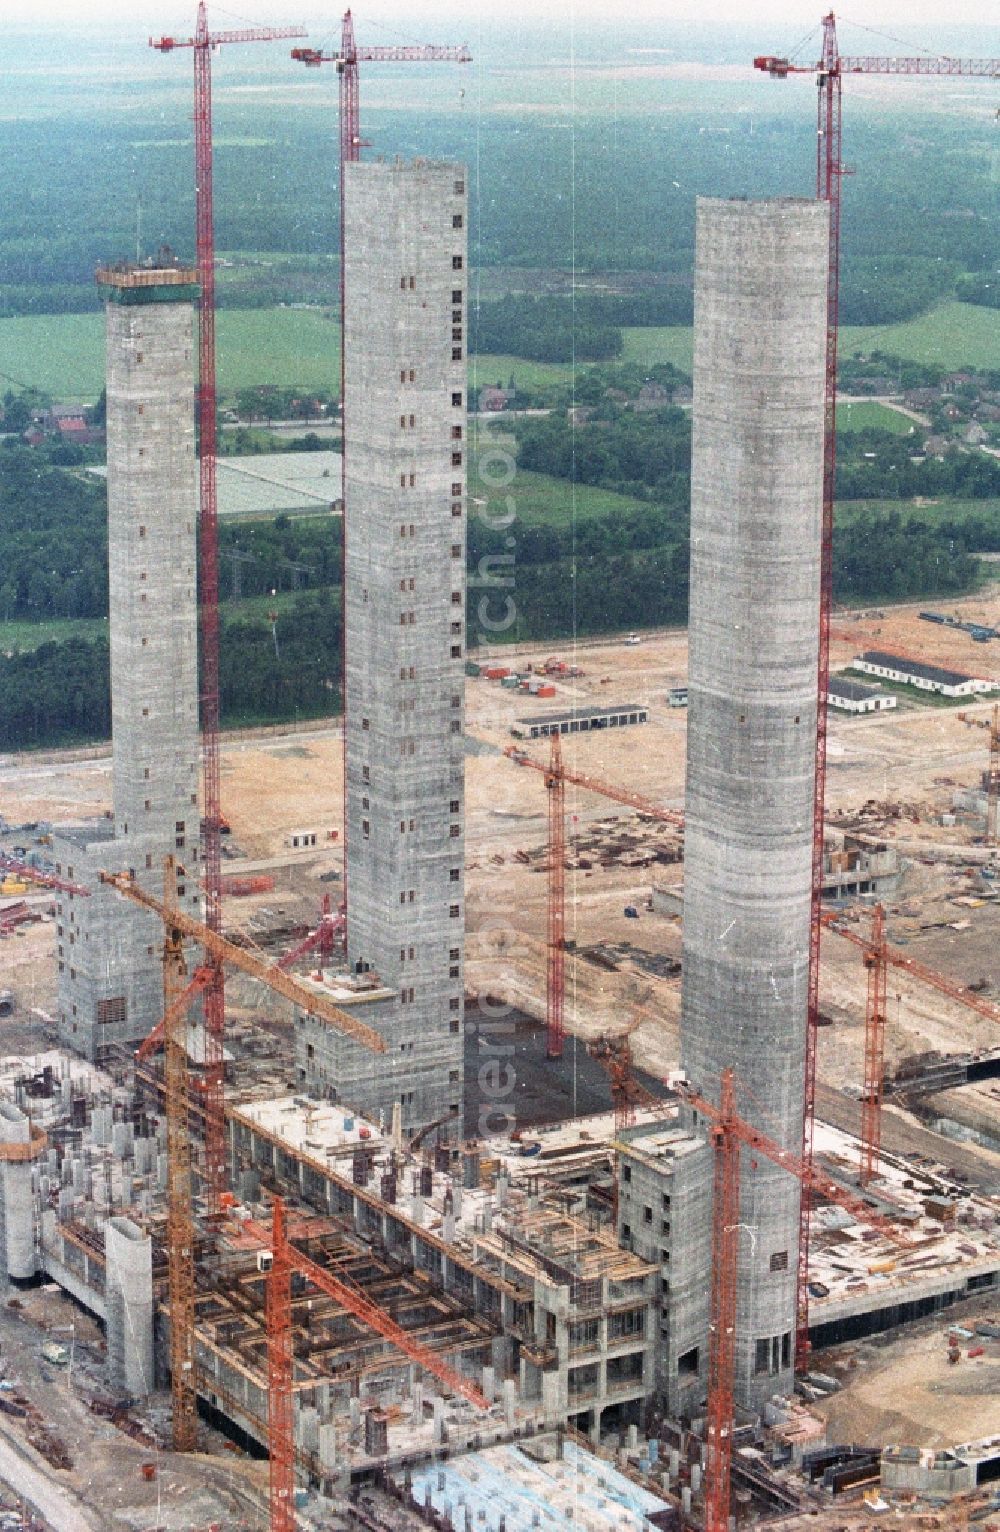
565	1088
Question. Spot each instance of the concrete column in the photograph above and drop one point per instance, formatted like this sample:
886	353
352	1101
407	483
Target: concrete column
129	1291
17	1209
756	497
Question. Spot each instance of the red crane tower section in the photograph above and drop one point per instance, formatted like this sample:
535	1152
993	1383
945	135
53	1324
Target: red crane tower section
829	72
330	928
555	987
556	776
202	44
28	874
871	1102
286	1258
280	1374
351	144
727	1133
879	956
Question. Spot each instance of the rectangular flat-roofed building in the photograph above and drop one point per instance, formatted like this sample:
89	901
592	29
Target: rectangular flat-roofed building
853	697
581	720
928	678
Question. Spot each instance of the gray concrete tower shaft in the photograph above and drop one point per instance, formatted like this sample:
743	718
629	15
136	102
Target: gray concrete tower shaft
756	498
110	970
405	442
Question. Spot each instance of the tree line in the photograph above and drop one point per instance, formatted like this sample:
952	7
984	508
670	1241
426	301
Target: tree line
60	693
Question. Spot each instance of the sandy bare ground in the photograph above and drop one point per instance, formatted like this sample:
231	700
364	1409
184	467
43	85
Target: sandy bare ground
917	755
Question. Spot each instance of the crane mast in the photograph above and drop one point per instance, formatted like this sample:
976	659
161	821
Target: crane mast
555	987
829	72
728	1133
285	1259
202	45
556	776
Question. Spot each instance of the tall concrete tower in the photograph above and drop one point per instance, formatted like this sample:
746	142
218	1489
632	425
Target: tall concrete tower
756	500
110	971
405	436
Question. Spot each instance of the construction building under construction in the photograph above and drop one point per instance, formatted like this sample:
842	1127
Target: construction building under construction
450	1296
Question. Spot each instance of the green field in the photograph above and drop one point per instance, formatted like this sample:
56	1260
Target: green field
929	511
31	635
487	371
539	500
25	636
63	354
649	346
951	335
870	416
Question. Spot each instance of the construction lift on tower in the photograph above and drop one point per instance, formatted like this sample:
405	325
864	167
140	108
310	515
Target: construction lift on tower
203	44
328	932
613	1051
179	993
281	1258
879	956
351	144
729	1133
556	776
993	772
830	170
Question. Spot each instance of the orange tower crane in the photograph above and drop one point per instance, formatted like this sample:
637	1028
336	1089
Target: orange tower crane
993	774
180	1212
556	776
178	998
728	1133
280	1375
878	956
351	144
829	71
203	44
875	961
555	984
285	1259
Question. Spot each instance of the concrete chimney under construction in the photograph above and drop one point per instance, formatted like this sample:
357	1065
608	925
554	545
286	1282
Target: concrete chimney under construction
756	501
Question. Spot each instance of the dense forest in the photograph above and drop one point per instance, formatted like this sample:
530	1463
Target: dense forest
60	693
919	214
54	537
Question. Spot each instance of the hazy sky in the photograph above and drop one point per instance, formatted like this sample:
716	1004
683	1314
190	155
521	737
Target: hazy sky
907	16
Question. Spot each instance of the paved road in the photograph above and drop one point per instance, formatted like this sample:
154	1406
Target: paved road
60	1507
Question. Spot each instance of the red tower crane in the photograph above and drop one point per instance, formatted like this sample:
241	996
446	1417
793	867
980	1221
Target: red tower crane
286	1258
329	930
555	984
879	956
203	43
728	1132
875	960
556	776
829	71
28	874
351	144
